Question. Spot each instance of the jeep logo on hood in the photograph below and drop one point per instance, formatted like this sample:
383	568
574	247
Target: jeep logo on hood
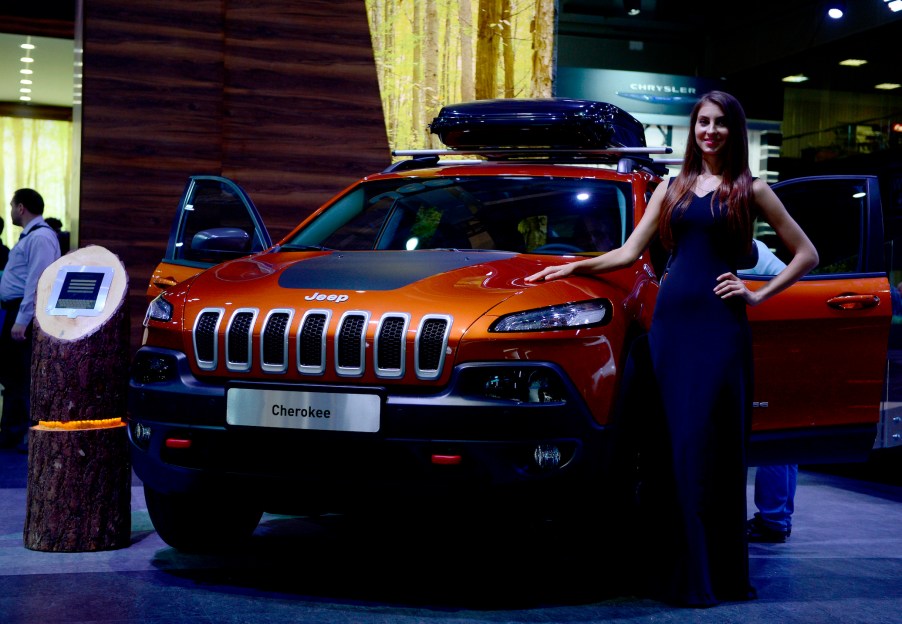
317	296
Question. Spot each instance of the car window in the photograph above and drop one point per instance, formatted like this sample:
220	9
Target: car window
211	204
832	215
521	214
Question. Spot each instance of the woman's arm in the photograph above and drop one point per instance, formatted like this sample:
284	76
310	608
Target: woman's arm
618	258
804	255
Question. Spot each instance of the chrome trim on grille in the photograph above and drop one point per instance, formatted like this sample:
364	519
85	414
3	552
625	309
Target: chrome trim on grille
311	341
239	356
349	347
389	361
207	364
350	343
437	347
275	316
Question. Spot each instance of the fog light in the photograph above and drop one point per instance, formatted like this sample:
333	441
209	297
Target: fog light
141	434
523	385
547	456
501	387
152	368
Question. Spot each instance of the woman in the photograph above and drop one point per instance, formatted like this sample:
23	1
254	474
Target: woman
699	348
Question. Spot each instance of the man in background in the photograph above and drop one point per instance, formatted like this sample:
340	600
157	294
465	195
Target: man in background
36	249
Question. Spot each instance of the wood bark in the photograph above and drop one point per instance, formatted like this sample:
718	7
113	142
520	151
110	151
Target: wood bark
430	72
507	43
418	115
448	75
467	68
79	489
543	51
488	46
79	472
85	379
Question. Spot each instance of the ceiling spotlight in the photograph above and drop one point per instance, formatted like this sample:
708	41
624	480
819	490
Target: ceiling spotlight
633	7
795	78
836	9
895	6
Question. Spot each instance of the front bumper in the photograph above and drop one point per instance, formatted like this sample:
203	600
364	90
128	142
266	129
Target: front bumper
427	444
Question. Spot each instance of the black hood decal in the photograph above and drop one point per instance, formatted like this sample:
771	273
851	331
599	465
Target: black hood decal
379	270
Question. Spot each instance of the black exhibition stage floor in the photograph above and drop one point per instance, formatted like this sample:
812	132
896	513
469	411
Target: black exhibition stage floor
842	564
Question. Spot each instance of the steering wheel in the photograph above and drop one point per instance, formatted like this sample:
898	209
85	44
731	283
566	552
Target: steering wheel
557	247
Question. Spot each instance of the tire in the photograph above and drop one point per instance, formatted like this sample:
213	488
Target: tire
201	522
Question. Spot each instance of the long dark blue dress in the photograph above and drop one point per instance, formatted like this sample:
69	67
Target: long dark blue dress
700	351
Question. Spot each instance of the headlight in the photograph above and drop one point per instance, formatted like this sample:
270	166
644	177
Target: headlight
565	316
158	310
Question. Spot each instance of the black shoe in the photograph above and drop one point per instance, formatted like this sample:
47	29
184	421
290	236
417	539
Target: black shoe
759	532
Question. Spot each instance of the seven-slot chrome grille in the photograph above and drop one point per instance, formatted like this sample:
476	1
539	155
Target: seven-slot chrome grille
271	342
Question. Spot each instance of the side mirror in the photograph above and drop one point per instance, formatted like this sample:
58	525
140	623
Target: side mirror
219	244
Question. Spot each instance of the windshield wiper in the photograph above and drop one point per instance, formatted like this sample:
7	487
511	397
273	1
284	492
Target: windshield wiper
305	248
454	249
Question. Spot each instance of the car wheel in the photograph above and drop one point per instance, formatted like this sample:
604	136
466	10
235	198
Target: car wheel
201	523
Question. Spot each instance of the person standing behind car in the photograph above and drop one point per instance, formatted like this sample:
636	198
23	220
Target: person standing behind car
775	486
36	249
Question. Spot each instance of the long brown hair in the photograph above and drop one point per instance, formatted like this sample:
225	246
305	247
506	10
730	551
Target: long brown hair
734	192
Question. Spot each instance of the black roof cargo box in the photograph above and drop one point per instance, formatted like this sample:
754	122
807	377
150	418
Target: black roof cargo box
558	123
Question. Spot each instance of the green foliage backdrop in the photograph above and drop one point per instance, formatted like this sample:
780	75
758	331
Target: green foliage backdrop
430	53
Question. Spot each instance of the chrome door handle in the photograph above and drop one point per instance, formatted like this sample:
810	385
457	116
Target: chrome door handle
164	282
853	302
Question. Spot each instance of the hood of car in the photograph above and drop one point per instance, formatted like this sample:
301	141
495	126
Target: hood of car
375	315
416	281
463	284
384	270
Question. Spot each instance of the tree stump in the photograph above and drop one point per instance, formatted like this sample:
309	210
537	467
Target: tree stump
79	470
79	489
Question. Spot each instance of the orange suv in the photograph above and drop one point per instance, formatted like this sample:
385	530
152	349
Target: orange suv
388	349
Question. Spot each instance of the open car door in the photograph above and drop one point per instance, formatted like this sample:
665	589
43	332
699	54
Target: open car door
215	221
820	346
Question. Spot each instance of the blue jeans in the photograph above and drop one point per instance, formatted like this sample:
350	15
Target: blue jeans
775	490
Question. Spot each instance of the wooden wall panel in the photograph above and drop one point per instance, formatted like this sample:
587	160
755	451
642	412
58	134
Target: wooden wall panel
280	95
304	114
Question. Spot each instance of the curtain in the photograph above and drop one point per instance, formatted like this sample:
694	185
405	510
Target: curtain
37	153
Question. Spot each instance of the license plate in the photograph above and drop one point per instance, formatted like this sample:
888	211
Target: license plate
289	409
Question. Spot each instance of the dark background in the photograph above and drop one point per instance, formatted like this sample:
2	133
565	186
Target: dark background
282	96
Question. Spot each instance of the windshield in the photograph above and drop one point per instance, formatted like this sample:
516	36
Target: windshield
520	214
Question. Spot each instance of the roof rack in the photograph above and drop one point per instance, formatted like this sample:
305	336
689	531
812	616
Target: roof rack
626	158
